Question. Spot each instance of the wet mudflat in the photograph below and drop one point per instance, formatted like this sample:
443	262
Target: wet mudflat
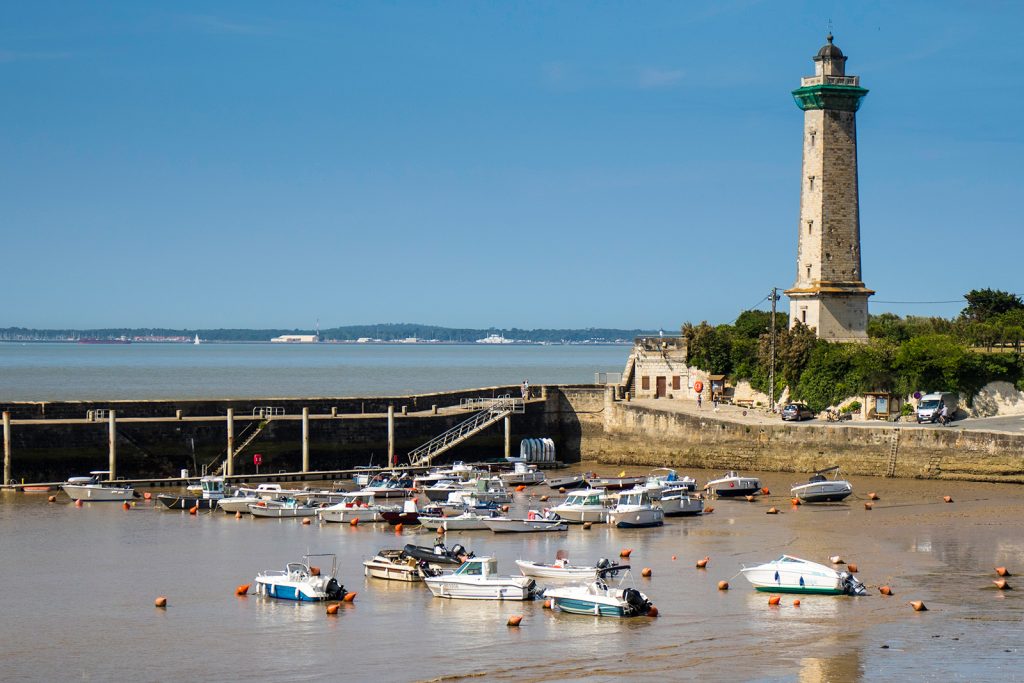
80	583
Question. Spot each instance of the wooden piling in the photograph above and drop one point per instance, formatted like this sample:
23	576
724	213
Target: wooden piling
7	447
112	442
508	437
391	435
305	439
229	462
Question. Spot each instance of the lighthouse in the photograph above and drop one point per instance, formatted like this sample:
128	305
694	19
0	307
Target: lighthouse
829	293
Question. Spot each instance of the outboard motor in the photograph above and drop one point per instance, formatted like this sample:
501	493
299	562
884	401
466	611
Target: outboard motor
635	601
334	590
458	551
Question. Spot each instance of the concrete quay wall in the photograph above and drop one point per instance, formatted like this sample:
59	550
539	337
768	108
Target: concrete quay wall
641	435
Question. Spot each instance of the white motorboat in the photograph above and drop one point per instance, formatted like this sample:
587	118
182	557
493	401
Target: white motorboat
732	485
790	574
393	565
478	579
91	489
535	521
561	568
488	490
287	508
389	485
585	505
458	472
633	509
356	505
302	581
679	502
597	598
663	478
467	521
821	489
243	496
443	489
523	474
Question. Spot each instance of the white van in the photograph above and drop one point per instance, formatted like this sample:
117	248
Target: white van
930	404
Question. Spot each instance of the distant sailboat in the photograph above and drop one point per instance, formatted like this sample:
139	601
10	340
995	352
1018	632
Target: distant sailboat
196	342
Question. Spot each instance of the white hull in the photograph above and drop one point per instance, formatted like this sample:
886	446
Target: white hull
467	522
630	517
505	525
793	575
488	588
344	515
527	478
548	571
579	515
822	491
257	510
97	493
237	504
675	505
733	485
392	568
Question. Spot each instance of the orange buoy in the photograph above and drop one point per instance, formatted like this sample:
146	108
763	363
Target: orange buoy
708	511
354	522
78	503
1003	571
307	521
625	552
837	559
1002	585
765	491
561	489
795	501
543	499
674	558
645	572
587	525
868	506
147	495
52	499
723	585
948	499
520	488
515	619
238	514
441	531
547	604
242	590
399	527
772	511
193	510
918	606
349	597
160	601
652	611
504	508
703	562
852	567
333	607
750	499
774	600
796	603
885	590
873	496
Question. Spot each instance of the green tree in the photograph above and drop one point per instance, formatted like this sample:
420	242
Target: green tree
983	304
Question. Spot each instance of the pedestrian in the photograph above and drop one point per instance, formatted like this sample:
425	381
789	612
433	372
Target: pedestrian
714	400
526	389
700	399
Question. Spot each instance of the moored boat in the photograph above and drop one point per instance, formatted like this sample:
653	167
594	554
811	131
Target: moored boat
633	509
790	574
821	489
211	493
587	505
287	508
618	483
572	481
679	503
302	581
393	565
523	473
662	479
92	489
535	521
561	569
361	506
597	598
478	579
439	554
732	485
467	521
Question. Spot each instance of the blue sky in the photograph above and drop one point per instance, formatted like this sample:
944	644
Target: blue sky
535	164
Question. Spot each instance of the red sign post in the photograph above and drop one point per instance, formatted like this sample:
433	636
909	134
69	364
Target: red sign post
257	460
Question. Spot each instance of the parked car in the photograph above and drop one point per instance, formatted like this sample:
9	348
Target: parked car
797	411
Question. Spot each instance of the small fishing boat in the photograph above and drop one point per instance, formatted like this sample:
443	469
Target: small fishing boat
535	521
355	505
242	496
393	565
597	598
389	485
478	579
523	474
467	521
663	478
732	485
790	574
487	490
211	493
633	509
587	505
439	554
679	503
618	483
91	489
287	508
561	568
821	489
302	581
573	481
38	488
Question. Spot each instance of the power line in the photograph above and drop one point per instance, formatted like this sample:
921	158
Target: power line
954	301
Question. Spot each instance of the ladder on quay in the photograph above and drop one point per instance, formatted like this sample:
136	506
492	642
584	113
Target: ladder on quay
894	449
495	410
248	440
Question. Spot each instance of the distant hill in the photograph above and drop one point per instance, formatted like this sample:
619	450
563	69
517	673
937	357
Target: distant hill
383	332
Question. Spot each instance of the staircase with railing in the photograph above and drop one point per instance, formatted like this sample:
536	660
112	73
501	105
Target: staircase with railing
494	411
248	435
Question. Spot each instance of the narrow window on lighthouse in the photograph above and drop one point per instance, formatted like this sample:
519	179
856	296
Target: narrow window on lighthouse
803	316
810	226
812	138
811	178
808	272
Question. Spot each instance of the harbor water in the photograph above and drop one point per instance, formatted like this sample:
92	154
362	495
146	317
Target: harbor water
80	585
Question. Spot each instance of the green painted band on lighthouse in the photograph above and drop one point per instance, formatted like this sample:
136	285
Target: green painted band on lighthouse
833	97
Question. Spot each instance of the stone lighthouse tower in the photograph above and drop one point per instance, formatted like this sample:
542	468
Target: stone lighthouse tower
829	293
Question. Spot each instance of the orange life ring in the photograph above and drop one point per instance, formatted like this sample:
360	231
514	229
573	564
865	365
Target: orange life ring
698	386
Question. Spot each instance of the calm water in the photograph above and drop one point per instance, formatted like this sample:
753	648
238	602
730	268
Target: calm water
79	587
32	372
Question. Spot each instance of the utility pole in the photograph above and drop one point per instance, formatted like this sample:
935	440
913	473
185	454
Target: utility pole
771	371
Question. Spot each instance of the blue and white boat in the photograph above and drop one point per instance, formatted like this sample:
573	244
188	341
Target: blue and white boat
596	598
302	581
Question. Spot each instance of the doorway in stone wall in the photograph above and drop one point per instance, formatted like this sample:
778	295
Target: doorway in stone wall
661	387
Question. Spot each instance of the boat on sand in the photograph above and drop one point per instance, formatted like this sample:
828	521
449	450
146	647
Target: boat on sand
790	574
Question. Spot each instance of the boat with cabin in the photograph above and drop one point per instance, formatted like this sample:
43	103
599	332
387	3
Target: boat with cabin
94	489
389	485
790	574
586	505
633	509
283	509
523	473
732	485
393	564
663	478
821	489
355	505
212	492
302	581
681	502
477	579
